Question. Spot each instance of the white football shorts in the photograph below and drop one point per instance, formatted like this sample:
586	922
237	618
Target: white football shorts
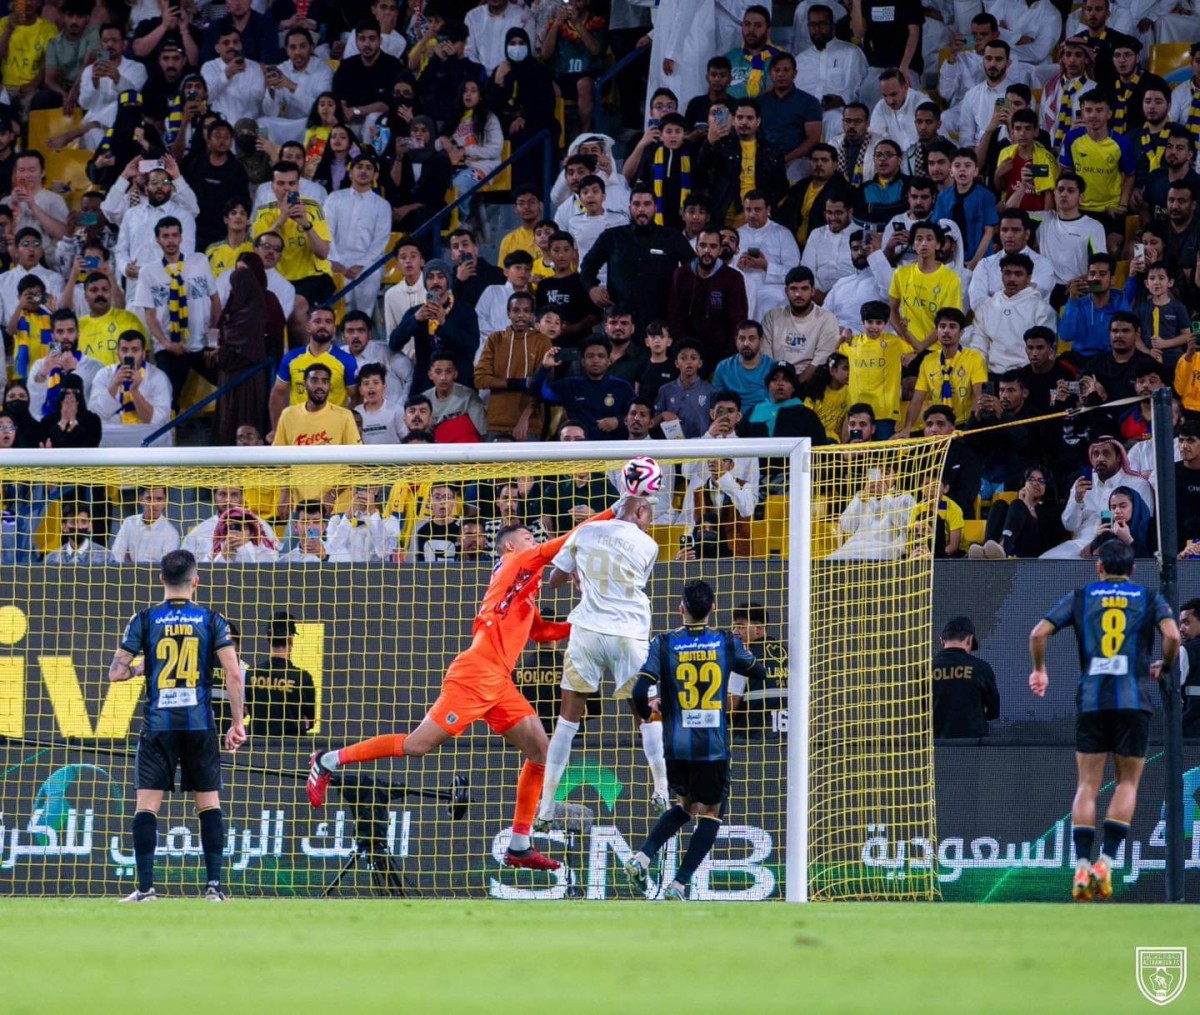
592	654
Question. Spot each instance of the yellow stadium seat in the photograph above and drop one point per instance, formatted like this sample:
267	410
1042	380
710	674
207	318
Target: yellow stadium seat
48	536
391	271
195	389
560	114
667	537
1004	496
1122	275
1168	59
69	166
502	183
46	123
973	533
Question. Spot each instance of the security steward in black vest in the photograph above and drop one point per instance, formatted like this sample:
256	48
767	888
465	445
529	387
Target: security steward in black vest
280	697
965	696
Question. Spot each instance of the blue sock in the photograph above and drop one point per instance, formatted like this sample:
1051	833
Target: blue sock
212	836
703	837
1114	835
145	841
1083	836
665	829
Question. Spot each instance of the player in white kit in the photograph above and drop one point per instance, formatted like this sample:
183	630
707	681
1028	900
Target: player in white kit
610	633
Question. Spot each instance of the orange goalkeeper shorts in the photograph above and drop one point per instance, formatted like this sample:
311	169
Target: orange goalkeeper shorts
469	695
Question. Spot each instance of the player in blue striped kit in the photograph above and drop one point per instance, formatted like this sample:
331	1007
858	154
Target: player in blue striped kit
1114	622
182	642
686	678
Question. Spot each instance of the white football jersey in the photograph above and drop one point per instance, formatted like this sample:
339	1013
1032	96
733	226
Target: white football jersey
613	560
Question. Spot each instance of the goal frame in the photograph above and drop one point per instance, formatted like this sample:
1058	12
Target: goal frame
797	451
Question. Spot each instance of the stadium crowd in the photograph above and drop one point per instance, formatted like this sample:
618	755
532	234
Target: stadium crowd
856	224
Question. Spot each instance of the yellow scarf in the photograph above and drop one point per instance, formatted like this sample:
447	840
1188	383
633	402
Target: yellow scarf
433	321
177	305
128	409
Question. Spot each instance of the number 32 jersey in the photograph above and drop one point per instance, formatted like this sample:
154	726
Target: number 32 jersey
691	666
180	641
1114	625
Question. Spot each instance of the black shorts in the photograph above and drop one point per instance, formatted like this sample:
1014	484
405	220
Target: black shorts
700	782
197	754
1123	731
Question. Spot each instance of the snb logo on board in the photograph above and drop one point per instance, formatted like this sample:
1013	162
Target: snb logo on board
1161	973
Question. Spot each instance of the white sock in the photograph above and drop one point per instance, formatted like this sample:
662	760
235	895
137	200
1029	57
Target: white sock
642	858
652	745
557	757
518	843
329	761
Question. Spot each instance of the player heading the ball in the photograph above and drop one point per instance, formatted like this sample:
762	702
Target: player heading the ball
610	627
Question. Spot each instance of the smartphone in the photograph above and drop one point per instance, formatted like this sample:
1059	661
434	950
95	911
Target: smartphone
262	131
149	165
897	227
191	93
1106	518
1139	250
654	122
1095	287
754	252
989	388
856	435
91	263
1039	172
1002	104
293	197
127	361
568	355
687	542
431	298
466	258
721	115
1073	387
89	218
312	534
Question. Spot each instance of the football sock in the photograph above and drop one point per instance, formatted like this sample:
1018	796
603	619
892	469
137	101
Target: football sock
212	834
1114	835
529	788
390	745
145	841
557	758
664	829
1083	836
703	837
652	746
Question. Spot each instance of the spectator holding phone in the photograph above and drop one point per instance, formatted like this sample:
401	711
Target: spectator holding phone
1091	305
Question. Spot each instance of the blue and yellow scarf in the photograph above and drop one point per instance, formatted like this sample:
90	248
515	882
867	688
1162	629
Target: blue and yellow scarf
660	176
177	301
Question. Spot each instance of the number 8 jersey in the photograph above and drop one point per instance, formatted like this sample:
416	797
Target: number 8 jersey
1114	625
691	666
179	641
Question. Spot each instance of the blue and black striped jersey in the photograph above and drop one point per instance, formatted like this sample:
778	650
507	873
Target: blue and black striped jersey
691	666
179	640
1114	625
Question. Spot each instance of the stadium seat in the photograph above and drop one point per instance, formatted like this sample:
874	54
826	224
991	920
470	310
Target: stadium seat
391	272
973	533
45	123
1121	275
1004	496
194	390
69	166
48	535
1170	60
502	183
667	537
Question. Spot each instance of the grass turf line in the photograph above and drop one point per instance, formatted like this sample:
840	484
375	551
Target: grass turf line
94	957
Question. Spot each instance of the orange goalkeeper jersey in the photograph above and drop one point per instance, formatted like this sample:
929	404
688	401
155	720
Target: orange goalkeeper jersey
509	615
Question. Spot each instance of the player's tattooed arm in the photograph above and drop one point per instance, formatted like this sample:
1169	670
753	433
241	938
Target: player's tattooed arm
122	667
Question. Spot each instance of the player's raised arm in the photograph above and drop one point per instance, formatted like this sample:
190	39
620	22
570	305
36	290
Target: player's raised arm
548	550
235	687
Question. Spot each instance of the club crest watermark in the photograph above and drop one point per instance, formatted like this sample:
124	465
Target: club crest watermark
1161	973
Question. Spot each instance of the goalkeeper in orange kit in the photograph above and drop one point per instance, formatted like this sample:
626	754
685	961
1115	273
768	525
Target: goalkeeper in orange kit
479	685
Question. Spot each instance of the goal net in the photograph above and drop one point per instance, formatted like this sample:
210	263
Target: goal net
353	583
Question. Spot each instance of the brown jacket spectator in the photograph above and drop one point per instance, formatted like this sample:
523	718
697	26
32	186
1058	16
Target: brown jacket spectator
508	360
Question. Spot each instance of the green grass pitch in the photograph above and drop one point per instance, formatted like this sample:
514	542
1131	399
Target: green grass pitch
93	957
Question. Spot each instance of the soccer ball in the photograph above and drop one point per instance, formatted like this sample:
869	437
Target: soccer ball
642	476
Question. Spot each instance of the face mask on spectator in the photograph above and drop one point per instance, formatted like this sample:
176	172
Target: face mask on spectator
516	52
